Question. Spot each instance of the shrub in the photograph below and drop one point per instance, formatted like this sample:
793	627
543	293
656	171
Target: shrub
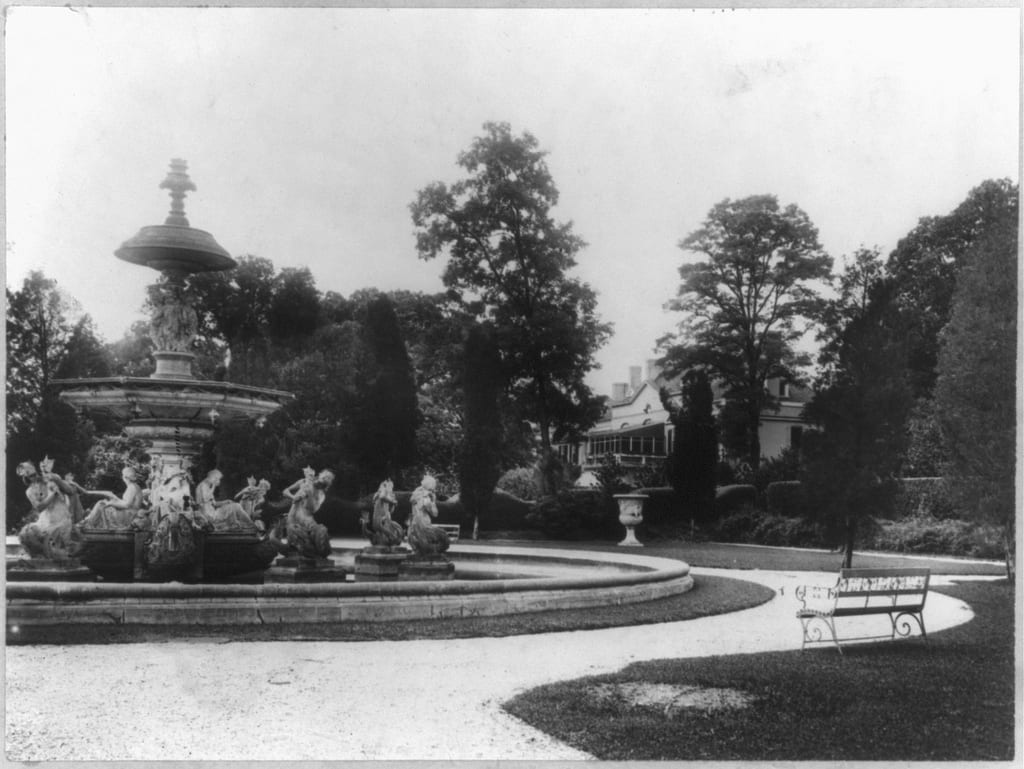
927	534
663	504
737	525
916	497
786	531
730	499
521	482
784	467
506	512
786	498
563	514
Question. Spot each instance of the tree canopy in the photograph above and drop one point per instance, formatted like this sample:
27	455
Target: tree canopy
860	407
925	266
746	304
508	263
976	388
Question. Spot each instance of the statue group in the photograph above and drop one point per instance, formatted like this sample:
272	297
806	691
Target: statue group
170	509
422	535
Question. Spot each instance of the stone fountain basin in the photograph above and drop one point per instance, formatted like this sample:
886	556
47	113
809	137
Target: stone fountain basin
489	581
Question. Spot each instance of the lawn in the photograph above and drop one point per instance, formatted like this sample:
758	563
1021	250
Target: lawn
731	556
951	699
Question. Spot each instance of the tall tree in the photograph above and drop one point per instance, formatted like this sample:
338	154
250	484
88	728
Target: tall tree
389	414
38	332
976	391
480	454
747	304
861	404
691	464
234	307
925	264
45	343
508	264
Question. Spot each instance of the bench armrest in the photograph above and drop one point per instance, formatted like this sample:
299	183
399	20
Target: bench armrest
821	593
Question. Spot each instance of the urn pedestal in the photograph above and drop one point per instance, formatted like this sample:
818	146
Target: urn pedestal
631	515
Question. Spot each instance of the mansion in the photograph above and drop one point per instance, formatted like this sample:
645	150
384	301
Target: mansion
635	427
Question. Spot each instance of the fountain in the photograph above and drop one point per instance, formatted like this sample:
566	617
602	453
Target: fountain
174	414
145	556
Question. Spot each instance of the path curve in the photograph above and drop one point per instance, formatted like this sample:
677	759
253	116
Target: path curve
319	700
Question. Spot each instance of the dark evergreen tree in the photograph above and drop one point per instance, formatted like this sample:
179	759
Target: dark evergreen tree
694	457
862	401
976	391
925	266
387	420
480	453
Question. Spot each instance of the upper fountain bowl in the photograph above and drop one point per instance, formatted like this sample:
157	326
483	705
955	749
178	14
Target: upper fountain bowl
175	248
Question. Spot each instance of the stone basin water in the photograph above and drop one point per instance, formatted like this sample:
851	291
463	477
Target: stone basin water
489	581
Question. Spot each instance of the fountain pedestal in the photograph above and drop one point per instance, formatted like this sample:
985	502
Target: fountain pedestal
299	570
380	564
48	570
419	568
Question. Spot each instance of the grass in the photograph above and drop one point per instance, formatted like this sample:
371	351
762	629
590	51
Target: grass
715	555
951	699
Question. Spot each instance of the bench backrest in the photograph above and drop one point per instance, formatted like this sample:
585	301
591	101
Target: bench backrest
906	587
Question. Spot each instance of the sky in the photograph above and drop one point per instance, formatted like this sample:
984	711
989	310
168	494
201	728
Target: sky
309	131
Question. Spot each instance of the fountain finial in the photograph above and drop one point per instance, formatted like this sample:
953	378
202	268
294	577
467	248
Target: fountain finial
179	183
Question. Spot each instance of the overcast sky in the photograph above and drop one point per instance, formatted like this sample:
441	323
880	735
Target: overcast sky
309	131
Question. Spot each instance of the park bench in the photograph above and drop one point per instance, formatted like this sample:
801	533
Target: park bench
898	593
451	529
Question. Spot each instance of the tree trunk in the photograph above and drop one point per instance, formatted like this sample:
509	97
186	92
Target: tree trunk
851	535
542	416
754	437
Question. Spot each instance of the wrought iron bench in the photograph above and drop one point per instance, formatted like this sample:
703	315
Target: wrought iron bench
451	529
898	593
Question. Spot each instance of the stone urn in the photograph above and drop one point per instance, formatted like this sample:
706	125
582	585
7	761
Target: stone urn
631	515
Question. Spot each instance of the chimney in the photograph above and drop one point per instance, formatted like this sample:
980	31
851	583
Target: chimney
634	378
619	391
653	369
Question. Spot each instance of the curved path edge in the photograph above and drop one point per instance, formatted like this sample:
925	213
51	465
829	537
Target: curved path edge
423	700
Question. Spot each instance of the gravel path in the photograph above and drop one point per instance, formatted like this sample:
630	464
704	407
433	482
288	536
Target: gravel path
425	700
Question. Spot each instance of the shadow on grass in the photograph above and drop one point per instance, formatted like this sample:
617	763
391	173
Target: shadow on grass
710	595
950	699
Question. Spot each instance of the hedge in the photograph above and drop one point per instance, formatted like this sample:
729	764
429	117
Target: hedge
732	499
916	497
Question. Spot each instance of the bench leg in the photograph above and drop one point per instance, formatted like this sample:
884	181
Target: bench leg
815	635
903	629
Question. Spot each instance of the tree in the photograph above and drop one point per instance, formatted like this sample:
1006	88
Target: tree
44	343
691	464
925	264
389	414
234	307
508	264
976	389
480	454
38	332
748	303
860	407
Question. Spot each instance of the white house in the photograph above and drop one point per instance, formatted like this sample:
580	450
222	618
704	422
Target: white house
636	430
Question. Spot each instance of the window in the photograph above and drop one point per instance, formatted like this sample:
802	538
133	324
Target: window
796	435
